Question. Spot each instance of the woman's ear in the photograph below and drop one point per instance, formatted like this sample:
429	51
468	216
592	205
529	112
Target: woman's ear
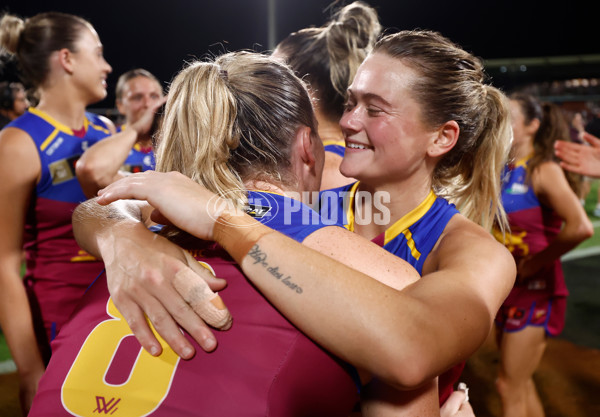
65	60
307	159
305	146
446	138
533	126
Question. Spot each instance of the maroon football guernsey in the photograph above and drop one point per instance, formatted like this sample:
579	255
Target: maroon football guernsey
263	365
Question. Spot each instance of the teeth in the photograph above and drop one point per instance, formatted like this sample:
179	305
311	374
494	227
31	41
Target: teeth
356	146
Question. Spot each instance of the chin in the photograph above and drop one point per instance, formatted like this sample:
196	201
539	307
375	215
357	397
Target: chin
348	172
99	97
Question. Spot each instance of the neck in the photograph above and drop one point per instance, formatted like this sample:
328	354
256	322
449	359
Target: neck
145	141
328	129
62	106
273	187
522	150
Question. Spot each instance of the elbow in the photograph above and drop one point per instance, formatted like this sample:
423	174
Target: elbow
91	178
411	374
584	231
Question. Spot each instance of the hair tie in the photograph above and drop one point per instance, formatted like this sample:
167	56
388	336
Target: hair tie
224	75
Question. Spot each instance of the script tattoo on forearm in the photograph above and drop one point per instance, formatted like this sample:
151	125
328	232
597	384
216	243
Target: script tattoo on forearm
260	258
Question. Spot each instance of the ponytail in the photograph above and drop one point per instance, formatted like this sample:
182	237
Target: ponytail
327	57
450	86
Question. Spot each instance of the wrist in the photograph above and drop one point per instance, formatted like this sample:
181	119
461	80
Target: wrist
133	131
238	233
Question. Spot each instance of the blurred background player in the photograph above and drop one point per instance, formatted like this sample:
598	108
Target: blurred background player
13	102
546	221
139	96
61	57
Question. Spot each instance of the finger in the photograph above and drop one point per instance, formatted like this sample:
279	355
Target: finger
215	283
568	150
196	292
159	103
453	404
462	387
591	139
164	325
138	324
129	187
571	167
466	409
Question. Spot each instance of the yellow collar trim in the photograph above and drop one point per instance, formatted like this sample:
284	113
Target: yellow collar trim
56	123
523	161
402	224
334	142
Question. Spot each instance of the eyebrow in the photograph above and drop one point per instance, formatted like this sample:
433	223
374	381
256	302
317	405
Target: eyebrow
370	97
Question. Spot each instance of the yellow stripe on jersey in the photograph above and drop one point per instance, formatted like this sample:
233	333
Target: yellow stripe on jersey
51	120
523	161
411	244
96	127
334	142
350	212
49	139
402	225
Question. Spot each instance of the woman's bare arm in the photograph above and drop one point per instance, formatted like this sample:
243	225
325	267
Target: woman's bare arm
19	169
406	337
143	268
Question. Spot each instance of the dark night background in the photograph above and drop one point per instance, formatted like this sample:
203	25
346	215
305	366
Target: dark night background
161	35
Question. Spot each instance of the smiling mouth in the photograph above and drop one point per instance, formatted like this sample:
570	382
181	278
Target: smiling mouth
352	145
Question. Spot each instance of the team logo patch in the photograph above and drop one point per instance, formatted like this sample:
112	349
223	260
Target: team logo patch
63	170
257	211
132	168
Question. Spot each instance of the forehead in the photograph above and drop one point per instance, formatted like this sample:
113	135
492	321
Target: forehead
140	83
89	37
384	76
515	109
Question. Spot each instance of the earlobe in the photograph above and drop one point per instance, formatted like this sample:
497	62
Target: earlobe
446	138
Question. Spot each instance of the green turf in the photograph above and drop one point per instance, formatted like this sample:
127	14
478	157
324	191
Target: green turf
4	353
591	199
590	205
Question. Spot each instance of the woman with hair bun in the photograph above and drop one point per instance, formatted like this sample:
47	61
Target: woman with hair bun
62	58
327	58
